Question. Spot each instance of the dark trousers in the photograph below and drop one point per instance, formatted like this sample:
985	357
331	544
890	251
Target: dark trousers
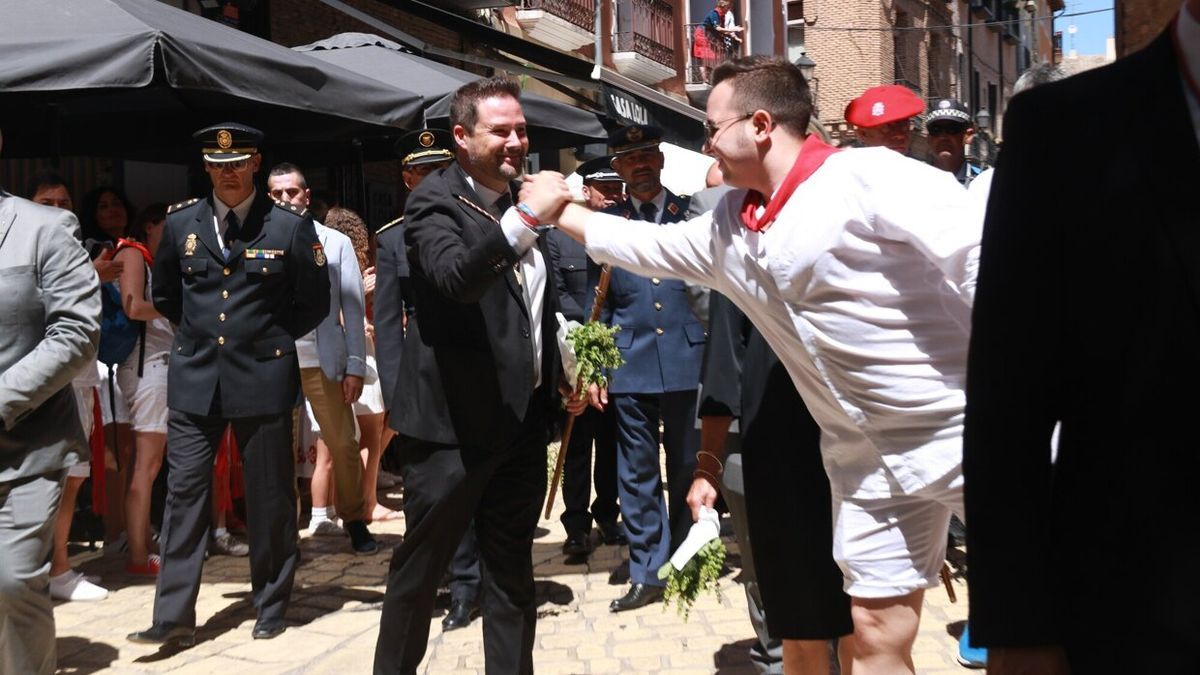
639	479
270	472
578	472
464	573
445	488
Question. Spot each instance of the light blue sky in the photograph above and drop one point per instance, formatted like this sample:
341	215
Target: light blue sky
1091	30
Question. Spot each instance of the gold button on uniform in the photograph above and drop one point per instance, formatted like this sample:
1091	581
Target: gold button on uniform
658	306
221	340
655	280
264	270
658	330
221	316
225	294
226	271
278	352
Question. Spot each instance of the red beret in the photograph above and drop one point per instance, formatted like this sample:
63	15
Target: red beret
884	104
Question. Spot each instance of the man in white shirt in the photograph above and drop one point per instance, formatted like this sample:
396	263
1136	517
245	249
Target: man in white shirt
332	365
859	272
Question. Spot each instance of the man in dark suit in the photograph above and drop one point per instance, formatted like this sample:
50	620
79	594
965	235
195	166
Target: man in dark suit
662	343
478	390
602	187
242	277
421	152
1086	315
51	308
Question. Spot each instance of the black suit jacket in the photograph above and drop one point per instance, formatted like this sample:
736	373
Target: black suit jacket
1088	312
570	270
393	300
237	321
466	376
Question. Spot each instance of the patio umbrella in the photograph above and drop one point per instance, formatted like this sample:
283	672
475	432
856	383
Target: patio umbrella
134	78
553	124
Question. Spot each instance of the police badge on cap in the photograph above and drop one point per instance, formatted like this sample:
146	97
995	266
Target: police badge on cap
635	137
948	111
425	146
228	142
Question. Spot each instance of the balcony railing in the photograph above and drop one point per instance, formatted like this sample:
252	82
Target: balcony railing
706	50
578	12
645	27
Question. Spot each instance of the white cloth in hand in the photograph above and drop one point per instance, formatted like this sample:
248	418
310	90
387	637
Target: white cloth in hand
569	363
704	530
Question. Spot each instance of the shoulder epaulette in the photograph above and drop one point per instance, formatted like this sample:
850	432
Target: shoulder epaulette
183	204
292	207
388	225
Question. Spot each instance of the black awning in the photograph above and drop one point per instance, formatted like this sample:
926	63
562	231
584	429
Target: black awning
683	130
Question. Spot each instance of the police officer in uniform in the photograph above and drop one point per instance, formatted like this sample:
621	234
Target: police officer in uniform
950	131
242	277
662	342
602	188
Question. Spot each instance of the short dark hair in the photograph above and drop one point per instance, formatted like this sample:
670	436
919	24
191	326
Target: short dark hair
464	107
771	84
45	178
284	168
87	213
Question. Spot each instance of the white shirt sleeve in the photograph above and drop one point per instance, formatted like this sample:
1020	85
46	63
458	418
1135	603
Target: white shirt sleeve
679	250
519	236
928	209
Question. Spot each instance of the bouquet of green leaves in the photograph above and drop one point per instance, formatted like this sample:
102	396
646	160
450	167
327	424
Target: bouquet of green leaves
696	565
594	350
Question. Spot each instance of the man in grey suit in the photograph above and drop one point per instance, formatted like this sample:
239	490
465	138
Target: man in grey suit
50	312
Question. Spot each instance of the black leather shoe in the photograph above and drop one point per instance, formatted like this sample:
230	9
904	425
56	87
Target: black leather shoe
360	538
165	633
612	534
461	614
265	629
639	595
576	544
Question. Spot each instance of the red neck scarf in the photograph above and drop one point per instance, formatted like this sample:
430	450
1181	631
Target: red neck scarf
813	154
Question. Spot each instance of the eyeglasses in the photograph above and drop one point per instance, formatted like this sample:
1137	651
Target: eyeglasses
235	165
712	129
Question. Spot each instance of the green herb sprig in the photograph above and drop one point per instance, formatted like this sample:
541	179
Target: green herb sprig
595	350
699	574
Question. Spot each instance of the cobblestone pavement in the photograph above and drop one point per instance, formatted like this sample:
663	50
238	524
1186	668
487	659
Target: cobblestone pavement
334	620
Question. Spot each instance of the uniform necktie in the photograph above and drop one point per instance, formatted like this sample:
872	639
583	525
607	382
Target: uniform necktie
649	212
233	228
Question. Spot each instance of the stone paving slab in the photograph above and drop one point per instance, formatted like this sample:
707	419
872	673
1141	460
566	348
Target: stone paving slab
334	620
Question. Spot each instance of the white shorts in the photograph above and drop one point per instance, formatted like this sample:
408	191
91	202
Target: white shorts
146	395
371	401
84	400
118	403
893	546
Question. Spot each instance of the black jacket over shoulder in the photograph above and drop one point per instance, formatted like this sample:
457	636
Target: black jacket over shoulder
237	321
466	376
1088	313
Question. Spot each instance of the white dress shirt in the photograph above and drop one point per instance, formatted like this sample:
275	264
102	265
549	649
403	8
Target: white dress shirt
220	208
863	287
533	266
659	201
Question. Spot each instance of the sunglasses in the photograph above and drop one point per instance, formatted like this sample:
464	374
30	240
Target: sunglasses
945	130
235	165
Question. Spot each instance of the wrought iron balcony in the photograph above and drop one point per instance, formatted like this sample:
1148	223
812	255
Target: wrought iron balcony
644	40
562	24
707	49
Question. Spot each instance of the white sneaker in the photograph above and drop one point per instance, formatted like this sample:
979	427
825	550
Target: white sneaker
71	586
386	480
325	528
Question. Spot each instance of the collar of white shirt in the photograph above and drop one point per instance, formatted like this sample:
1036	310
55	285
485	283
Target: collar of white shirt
242	210
488	195
659	201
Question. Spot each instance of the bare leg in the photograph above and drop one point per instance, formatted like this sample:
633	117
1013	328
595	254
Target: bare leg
884	632
372	428
806	657
62	525
845	650
117	480
147	462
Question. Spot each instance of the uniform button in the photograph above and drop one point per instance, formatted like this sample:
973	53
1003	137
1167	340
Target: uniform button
524	332
278	352
655	280
189	269
658	330
225	294
658	306
221	340
226	271
221	316
179	349
264	270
